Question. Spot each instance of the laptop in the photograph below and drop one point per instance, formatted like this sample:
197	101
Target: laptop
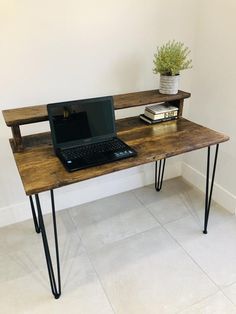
84	135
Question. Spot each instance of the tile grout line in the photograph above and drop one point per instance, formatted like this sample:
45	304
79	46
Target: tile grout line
147	209
92	265
137	198
195	262
99	279
196	303
162	226
124	239
116	242
185	197
186	201
190	213
221	289
159	222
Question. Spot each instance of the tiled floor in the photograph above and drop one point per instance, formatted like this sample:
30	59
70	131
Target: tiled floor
136	252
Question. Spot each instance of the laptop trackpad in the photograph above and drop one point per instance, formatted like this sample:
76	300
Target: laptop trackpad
95	158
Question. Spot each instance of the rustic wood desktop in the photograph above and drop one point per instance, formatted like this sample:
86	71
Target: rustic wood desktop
40	170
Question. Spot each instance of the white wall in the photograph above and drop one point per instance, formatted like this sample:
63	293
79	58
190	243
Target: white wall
62	50
213	94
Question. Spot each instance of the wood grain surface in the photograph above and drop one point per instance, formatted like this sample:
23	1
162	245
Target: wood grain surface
40	170
32	114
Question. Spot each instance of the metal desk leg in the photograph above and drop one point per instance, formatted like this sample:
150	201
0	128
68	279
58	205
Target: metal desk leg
55	287
209	195
161	168
36	224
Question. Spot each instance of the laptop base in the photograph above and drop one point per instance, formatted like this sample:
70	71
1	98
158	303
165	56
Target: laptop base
73	163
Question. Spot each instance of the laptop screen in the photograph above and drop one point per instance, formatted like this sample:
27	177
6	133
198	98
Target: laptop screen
81	121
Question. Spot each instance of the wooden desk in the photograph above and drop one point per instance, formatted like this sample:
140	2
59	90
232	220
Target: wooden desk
41	170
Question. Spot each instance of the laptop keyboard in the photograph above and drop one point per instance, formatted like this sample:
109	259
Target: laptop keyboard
96	148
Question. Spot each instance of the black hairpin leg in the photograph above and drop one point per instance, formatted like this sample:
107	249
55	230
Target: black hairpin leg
209	192
159	178
36	224
55	287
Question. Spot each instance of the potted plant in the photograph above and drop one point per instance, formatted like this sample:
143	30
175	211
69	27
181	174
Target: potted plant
169	60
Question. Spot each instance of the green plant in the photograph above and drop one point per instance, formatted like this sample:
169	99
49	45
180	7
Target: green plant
171	58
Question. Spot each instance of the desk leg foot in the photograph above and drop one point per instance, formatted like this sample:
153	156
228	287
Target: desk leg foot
36	224
209	192
159	178
55	287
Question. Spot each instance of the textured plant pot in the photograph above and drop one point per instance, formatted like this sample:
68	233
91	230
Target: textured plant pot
169	84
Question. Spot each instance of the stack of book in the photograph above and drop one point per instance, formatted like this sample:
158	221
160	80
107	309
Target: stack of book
159	112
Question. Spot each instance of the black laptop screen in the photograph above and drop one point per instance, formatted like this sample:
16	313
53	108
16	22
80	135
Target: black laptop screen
82	120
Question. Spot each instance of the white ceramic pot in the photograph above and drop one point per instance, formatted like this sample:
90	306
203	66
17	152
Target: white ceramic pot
169	84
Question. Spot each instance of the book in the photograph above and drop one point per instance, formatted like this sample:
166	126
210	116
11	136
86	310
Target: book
150	121
160	108
162	115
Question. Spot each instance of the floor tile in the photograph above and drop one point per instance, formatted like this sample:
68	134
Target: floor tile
167	205
230	292
149	196
11	268
15	237
150	273
169	209
22	247
194	199
215	252
176	200
111	219
31	257
217	304
147	250
81	292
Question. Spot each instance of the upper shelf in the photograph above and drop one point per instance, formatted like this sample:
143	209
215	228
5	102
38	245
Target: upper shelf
32	114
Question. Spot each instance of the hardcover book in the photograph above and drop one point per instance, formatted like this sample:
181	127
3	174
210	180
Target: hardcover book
150	121
160	108
162	115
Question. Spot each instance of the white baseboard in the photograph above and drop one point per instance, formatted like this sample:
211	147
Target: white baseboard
90	190
14	213
220	195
